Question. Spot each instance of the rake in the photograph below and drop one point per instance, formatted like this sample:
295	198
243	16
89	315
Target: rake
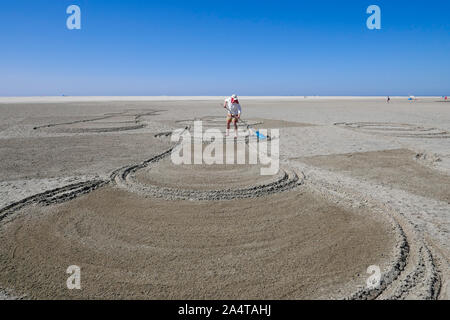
258	134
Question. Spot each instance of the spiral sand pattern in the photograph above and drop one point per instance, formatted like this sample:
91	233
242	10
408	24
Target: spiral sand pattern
159	231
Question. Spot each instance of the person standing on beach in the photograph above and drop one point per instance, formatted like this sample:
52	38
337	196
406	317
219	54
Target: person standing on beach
234	113
388	99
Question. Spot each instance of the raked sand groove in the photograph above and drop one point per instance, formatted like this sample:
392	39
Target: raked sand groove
177	232
413	273
53	196
283	182
114	122
131	179
135	178
61	200
402	130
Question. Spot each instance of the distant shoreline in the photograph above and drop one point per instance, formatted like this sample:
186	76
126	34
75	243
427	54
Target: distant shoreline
49	99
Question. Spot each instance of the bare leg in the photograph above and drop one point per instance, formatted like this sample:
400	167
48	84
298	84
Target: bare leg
228	126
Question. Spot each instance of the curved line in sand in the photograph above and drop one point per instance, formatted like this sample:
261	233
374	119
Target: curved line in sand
121	125
401	130
411	269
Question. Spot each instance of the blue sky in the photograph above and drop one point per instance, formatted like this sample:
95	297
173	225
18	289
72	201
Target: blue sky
220	47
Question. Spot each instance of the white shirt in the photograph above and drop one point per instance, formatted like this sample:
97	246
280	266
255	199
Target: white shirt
233	108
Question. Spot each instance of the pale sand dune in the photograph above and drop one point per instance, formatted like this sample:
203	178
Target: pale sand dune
350	199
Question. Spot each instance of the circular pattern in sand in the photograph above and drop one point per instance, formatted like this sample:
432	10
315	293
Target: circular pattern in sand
161	177
110	122
97	127
103	124
204	177
209	122
402	130
290	245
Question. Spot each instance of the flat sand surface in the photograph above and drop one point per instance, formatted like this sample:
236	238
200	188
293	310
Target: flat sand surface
50	157
86	181
398	168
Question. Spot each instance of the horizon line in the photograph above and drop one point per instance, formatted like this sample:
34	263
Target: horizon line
37	99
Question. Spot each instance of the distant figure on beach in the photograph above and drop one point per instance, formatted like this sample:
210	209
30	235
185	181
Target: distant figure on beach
234	113
388	99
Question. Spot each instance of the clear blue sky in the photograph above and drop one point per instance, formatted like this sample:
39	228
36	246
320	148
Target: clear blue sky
222	47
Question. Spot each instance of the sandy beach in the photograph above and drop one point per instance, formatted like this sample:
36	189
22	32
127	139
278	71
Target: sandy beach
88	181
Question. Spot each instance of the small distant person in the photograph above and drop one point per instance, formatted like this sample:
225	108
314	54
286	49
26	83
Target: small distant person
388	99
234	113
